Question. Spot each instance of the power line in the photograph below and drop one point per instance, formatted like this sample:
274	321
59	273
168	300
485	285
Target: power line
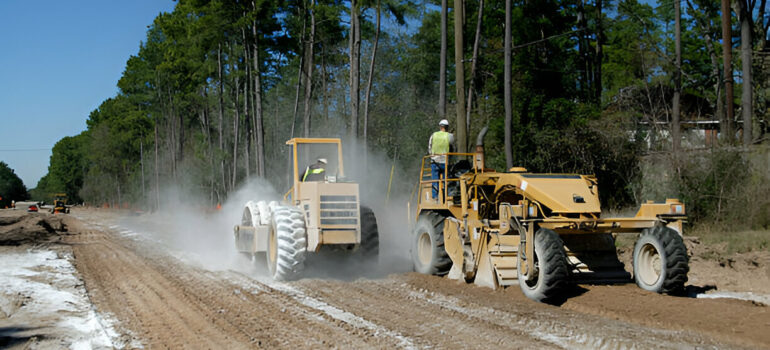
25	150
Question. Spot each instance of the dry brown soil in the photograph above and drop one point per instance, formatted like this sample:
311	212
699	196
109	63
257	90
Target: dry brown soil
164	302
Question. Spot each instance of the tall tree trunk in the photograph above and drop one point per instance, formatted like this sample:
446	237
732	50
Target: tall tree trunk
582	51
746	95
727	57
442	63
296	96
473	65
323	83
157	171
355	58
761	28
675	138
309	64
236	124
141	160
507	89
206	129
299	79
369	82
705	28
461	137
221	111
599	54
247	118
259	129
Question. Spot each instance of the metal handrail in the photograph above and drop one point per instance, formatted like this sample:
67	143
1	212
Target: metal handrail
445	180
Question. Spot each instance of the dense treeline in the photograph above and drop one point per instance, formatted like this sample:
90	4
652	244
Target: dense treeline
11	187
218	86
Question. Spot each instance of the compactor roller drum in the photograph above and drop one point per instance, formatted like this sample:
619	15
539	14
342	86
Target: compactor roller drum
428	251
287	243
551	274
660	260
370	236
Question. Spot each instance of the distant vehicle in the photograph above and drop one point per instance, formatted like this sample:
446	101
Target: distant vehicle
60	204
59	207
32	208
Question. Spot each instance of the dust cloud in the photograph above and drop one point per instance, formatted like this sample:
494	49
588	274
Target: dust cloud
199	235
204	237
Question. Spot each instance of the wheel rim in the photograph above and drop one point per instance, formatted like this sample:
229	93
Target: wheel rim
649	267
424	248
272	250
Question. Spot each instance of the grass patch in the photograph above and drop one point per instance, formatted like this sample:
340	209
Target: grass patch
740	241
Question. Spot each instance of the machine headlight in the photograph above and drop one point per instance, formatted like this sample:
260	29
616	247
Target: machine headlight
677	209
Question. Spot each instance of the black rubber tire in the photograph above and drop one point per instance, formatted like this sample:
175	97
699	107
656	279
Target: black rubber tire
436	261
551	269
669	247
370	236
288	229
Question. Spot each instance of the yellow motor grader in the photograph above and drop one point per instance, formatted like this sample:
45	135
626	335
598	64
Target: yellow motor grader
320	210
542	231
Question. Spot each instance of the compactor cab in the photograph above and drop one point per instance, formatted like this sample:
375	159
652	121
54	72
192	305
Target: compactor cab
321	209
541	231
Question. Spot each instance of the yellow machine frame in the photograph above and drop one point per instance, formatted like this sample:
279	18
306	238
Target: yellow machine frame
494	243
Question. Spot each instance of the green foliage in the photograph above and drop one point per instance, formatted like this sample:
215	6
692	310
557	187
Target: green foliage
11	186
67	167
191	85
723	188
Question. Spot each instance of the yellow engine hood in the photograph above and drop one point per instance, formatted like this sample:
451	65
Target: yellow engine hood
562	193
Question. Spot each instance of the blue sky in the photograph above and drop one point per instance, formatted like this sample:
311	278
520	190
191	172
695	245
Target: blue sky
58	61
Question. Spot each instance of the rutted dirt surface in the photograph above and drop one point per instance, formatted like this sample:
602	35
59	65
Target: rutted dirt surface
162	301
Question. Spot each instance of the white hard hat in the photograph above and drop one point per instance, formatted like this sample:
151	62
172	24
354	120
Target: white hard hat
322	160
443	122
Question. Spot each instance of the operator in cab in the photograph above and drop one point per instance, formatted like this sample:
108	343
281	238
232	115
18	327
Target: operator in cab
316	171
441	142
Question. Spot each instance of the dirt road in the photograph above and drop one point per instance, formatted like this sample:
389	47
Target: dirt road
166	300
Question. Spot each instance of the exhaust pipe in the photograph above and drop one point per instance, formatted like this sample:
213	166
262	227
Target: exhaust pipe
478	158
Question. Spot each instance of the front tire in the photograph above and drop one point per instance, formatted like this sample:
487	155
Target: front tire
428	253
550	268
370	236
660	260
287	244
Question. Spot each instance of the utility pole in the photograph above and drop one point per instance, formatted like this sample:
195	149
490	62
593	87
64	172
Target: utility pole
727	47
442	64
461	137
675	138
507	90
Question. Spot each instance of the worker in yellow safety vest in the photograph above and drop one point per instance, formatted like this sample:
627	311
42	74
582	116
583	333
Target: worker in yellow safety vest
440	143
315	172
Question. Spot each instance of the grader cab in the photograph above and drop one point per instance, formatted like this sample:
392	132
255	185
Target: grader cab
313	215
542	231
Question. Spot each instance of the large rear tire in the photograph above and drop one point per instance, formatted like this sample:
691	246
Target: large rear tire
370	236
660	261
551	274
428	253
287	244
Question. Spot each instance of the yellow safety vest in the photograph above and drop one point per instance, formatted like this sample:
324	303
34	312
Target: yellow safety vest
312	171
440	142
